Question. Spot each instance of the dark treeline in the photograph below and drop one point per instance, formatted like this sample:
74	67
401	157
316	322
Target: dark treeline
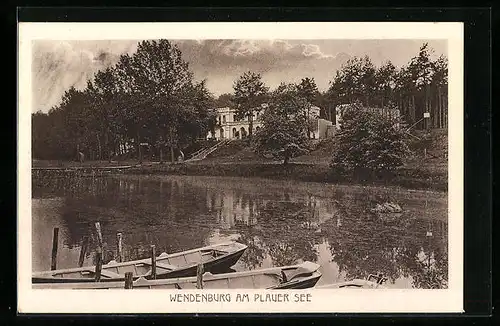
148	97
418	87
151	97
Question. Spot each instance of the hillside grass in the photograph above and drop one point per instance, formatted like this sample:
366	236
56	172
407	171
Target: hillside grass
238	159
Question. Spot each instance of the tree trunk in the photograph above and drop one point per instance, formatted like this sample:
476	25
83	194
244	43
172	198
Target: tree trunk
286	159
307	123
440	113
250	124
108	146
139	152
412	108
171	137
427	107
99	149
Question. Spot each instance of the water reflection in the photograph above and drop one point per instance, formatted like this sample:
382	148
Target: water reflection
281	222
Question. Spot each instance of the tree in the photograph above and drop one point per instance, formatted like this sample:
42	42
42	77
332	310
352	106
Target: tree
308	90
224	100
420	69
418	87
158	74
369	140
440	83
249	94
283	134
149	96
102	93
385	83
355	81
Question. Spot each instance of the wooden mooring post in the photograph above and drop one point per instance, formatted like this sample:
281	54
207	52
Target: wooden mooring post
83	250
55	241
153	262
199	276
129	280
98	266
119	253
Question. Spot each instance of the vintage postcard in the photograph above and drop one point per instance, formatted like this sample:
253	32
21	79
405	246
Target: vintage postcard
240	167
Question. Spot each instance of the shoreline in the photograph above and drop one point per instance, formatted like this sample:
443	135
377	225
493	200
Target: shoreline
406	178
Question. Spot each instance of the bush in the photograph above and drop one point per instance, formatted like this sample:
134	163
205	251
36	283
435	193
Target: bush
369	141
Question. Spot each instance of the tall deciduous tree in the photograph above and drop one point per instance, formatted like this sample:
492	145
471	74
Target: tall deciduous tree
149	96
282	133
224	100
369	140
249	94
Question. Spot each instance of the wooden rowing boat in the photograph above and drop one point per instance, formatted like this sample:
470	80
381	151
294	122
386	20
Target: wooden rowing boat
301	276
214	258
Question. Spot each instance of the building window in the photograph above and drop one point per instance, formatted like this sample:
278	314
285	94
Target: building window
224	119
219	120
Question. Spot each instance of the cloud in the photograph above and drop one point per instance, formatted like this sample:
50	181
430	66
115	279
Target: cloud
59	65
222	61
260	54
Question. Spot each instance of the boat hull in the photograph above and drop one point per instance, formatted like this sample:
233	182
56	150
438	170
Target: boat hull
302	284
217	264
270	278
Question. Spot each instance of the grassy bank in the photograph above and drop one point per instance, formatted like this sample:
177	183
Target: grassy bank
407	178
421	171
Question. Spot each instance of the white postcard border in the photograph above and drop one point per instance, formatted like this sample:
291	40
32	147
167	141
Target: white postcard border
325	301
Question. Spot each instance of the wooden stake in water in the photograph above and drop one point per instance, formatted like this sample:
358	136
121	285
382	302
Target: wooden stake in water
199	276
153	262
98	266
119	254
55	240
129	280
99	234
83	250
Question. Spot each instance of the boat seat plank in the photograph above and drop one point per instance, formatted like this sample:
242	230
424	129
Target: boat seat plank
162	265
109	274
166	266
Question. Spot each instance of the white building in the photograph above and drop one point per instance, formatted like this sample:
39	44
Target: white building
229	127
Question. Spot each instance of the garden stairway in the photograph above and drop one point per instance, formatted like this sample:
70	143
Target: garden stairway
204	152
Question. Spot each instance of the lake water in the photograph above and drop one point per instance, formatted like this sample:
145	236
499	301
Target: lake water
282	222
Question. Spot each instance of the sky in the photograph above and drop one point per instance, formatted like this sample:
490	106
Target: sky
58	65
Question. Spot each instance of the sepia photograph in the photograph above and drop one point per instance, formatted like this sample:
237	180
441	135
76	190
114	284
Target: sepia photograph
205	164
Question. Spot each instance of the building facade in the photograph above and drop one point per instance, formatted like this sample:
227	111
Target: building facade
229	127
